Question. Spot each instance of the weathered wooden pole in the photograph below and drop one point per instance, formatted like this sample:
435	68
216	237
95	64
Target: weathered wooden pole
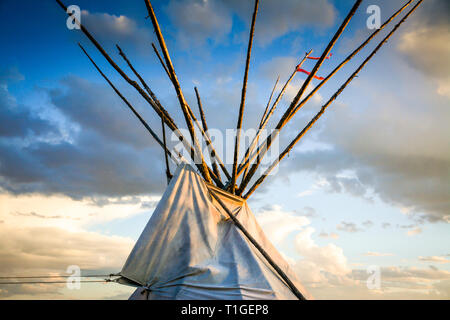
209	144
203	167
211	150
147	88
347	59
205	129
144	84
168	174
325	106
294	102
261	250
268	103
245	163
204	132
256	139
207	137
162	61
243	94
144	123
163	114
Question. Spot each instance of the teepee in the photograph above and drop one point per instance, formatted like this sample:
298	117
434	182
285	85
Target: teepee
190	248
203	241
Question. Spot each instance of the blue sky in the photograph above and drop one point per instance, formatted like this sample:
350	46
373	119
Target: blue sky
368	185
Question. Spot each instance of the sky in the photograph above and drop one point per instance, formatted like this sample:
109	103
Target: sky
367	188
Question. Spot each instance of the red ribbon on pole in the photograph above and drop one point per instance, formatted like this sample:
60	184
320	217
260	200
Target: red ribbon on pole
307	72
317	58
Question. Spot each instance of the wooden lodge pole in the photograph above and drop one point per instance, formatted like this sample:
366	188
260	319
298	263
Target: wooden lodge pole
163	114
245	163
261	250
243	94
347	59
203	167
325	106
294	102
332	73
268	103
144	123
205	129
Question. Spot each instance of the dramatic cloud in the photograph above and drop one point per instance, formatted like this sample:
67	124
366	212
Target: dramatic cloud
396	150
200	20
47	250
426	44
16	119
395	147
276	19
122	30
107	154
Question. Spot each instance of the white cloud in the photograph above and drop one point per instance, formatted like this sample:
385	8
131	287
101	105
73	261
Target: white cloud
305	193
378	254
435	259
64	212
314	264
327	273
414	232
278	224
319	265
50	250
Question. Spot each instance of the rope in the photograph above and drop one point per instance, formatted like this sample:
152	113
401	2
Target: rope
54	282
59	276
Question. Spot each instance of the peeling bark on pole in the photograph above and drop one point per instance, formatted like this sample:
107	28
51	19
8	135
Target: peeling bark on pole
325	106
242	106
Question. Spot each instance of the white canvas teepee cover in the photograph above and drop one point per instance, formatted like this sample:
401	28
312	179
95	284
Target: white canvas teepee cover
190	249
